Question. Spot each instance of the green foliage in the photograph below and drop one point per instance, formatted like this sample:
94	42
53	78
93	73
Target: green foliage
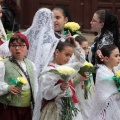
9	34
86	68
68	108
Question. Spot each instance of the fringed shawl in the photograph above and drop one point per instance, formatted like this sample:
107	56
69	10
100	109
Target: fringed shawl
106	104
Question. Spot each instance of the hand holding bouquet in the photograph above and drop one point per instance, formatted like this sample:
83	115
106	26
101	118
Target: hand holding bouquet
66	74
15	83
87	67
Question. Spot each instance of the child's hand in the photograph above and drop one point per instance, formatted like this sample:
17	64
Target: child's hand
14	90
64	85
82	78
71	39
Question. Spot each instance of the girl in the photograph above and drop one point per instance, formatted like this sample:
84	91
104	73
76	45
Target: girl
85	105
105	23
17	66
61	16
83	43
50	87
107	99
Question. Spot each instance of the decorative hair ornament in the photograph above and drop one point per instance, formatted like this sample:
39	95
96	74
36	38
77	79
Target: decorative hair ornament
100	55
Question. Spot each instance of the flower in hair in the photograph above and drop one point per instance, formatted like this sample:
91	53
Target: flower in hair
100	55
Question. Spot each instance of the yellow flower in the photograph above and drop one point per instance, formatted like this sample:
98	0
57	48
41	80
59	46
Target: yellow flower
65	70
87	64
73	26
22	80
117	74
1	59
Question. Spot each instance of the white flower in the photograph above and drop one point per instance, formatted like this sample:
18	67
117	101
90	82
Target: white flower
65	70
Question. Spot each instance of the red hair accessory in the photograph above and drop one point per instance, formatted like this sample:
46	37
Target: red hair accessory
100	55
24	37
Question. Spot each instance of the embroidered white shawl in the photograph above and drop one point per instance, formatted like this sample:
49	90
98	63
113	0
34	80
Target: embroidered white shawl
107	99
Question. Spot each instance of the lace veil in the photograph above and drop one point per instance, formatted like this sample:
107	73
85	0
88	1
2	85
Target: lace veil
42	45
41	38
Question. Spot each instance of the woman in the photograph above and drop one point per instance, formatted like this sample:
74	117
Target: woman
105	23
41	37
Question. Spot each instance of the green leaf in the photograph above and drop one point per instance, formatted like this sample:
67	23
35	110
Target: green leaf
78	32
9	34
13	81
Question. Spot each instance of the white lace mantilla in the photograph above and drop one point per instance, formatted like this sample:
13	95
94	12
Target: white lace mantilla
41	38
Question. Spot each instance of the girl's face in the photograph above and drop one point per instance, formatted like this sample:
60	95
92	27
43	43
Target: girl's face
113	60
84	46
64	56
96	25
59	20
18	49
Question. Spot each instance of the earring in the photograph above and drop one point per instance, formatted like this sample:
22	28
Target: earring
56	55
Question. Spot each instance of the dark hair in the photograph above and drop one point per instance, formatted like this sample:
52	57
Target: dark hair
16	38
106	50
80	39
101	15
110	24
11	15
65	12
61	45
12	6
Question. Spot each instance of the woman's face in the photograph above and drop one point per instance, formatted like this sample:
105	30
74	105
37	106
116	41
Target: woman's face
59	20
96	25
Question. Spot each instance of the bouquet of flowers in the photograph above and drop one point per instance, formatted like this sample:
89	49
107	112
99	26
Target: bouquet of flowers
87	67
17	82
73	27
68	109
